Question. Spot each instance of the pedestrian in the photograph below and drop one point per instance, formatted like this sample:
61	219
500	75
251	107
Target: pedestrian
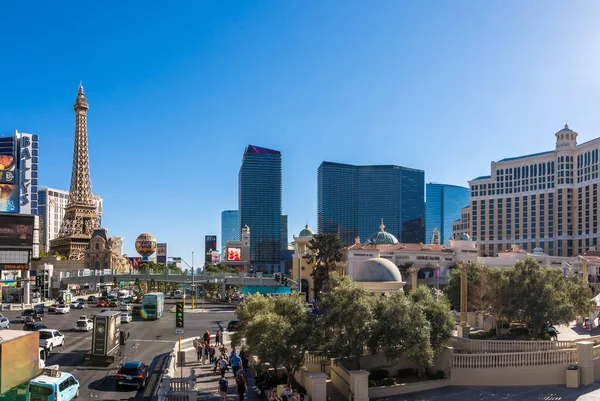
236	363
244	356
203	351
206	350
199	350
223	384
211	354
206	336
223	366
218	338
242	387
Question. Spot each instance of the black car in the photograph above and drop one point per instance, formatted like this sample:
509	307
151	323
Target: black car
134	374
136	309
232	325
92	299
34	326
31	315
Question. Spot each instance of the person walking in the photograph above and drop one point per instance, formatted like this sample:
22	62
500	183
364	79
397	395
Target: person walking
203	349
211	354
236	363
223	384
223	366
218	338
242	387
199	350
206	336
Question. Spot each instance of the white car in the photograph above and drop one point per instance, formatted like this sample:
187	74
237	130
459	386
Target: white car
64	309
126	317
125	308
51	338
84	324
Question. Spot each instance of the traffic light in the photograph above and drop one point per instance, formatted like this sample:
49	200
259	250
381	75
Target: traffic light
39	280
152	283
179	315
115	281
137	281
285	281
277	277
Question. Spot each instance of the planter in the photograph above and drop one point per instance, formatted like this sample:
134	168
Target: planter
573	377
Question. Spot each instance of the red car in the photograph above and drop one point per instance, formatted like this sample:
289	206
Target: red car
101	304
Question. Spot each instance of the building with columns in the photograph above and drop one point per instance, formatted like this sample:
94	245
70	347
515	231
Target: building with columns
547	200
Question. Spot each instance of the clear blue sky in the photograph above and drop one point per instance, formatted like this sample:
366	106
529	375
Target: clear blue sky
177	91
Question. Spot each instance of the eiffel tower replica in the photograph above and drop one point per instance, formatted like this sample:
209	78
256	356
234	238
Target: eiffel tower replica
81	217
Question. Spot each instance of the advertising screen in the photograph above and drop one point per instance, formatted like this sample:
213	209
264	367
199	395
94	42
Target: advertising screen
234	254
161	253
8	160
9	198
16	230
210	244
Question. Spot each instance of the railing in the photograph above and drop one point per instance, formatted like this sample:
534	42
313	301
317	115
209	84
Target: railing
514	359
180	384
315	358
497	346
597	352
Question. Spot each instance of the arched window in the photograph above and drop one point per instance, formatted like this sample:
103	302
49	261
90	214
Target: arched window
97	245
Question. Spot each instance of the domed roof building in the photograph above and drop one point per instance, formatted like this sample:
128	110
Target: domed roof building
382	237
378	275
307	232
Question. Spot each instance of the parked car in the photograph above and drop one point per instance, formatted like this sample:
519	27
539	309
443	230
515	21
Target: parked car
64	309
133	374
51	338
34	326
232	325
4	323
84	324
101	304
136	309
31	315
126	317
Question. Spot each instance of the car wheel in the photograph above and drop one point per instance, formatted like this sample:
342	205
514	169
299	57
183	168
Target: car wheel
77	394
8	327
50	348
62	344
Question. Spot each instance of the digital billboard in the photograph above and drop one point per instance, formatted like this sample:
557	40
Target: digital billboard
8	160
210	244
234	254
9	198
135	262
16	230
161	253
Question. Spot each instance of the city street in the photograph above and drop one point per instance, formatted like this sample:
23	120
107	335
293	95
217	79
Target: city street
149	342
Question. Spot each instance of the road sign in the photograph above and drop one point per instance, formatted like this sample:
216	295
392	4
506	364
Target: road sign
179	331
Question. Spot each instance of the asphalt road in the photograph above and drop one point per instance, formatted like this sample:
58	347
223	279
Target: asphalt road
148	342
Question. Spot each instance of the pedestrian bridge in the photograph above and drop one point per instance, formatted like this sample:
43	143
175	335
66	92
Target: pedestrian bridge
83	277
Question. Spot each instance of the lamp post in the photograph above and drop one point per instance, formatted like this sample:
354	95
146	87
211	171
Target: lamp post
463	328
193	291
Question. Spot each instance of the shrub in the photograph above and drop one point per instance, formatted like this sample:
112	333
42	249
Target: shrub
379	374
519	331
388	381
405	372
439	374
372	383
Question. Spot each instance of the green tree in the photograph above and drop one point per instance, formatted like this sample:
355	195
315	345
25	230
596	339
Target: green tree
542	294
401	329
279	330
326	252
220	268
438	314
346	319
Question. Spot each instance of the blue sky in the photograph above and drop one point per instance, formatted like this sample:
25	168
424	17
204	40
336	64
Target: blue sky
177	90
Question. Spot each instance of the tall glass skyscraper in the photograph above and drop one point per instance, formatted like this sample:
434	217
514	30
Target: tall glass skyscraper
352	200
443	207
260	203
230	227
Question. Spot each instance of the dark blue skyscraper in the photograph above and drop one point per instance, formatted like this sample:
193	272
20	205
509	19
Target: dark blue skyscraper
443	207
260	204
352	200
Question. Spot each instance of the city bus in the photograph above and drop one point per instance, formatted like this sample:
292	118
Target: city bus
153	306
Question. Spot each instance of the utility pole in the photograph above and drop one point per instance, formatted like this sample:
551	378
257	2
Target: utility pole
193	290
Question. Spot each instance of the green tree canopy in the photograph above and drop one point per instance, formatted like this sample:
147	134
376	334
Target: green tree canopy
326	252
346	319
279	330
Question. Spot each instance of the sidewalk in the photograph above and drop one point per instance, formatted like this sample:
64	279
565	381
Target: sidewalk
207	381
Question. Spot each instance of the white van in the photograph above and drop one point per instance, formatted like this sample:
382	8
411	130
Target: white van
178	294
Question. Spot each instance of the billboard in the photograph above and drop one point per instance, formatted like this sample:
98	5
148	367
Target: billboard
161	253
210	244
9	198
215	256
135	262
16	230
25	166
234	254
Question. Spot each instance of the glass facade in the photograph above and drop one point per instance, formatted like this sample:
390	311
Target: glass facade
352	200
230	227
443	208
260	202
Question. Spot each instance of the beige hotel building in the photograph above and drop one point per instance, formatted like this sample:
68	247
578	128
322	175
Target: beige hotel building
545	202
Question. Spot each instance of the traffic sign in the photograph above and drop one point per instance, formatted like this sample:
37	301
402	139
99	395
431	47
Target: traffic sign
179	331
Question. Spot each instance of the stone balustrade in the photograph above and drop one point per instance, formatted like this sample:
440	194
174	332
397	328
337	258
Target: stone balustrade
514	359
465	345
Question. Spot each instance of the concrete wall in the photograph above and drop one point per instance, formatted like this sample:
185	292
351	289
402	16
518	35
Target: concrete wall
407	388
340	378
379	361
511	376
